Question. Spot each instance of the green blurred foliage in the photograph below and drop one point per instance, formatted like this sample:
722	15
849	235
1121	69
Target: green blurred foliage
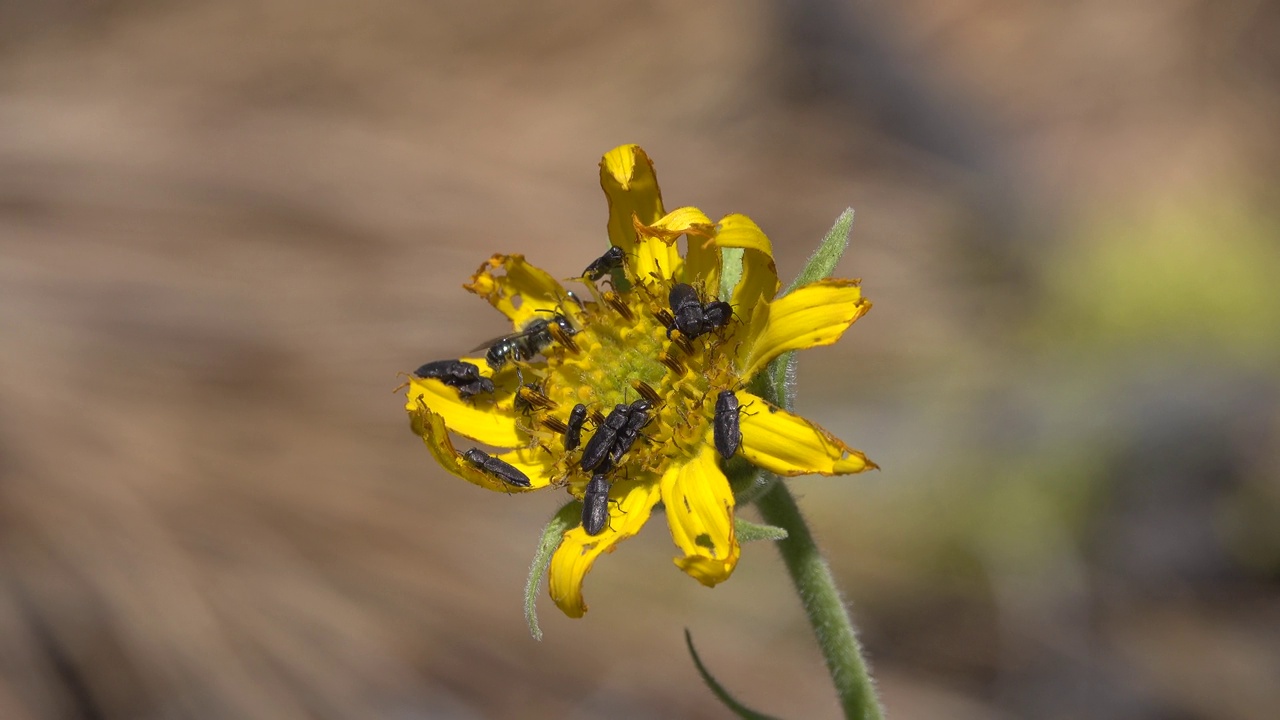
1195	277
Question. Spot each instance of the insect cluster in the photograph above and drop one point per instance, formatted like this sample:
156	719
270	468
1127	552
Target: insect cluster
612	435
691	316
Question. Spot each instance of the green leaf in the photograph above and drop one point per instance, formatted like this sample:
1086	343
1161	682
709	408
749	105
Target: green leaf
748	531
730	271
823	261
723	695
567	517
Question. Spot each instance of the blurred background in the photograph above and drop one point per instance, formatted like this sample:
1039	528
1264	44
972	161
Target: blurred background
226	226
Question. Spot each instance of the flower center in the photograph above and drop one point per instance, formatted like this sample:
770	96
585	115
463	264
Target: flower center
621	354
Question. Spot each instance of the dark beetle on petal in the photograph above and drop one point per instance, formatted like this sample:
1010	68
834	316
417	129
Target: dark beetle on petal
686	310
497	467
627	435
449	371
598	446
480	385
463	376
573	436
728	434
717	314
595	505
682	295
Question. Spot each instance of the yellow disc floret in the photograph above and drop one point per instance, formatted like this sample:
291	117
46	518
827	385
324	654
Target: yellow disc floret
626	350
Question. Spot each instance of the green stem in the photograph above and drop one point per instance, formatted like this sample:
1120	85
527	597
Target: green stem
823	605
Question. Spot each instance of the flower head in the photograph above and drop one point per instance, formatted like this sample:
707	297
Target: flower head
647	370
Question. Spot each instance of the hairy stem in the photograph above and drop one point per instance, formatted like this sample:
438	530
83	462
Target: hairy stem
822	604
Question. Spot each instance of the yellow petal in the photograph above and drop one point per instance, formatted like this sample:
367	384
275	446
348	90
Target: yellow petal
699	506
521	292
536	463
654	258
479	418
701	262
702	266
759	282
816	314
740	231
759	274
578	550
787	444
631	186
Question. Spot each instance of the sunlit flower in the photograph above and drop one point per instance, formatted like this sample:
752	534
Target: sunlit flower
625	344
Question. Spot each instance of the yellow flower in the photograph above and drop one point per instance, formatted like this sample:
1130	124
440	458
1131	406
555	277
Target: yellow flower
622	345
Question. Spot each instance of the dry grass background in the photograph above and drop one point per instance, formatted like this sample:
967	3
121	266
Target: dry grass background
226	226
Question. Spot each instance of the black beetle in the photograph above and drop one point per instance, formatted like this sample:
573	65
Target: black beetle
598	446
463	376
497	467
717	314
573	436
728	433
628	433
686	310
595	505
